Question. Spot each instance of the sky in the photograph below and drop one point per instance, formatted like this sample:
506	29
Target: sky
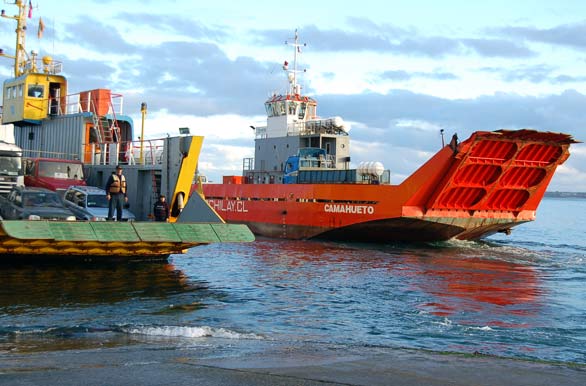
397	71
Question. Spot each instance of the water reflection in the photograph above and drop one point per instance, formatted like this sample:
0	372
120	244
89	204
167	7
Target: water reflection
475	284
489	290
449	297
62	284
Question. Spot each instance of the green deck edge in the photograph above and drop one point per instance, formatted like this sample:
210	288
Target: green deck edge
233	232
127	231
27	230
198	233
111	231
156	231
72	231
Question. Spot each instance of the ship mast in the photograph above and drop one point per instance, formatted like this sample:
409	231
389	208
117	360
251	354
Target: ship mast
20	57
294	88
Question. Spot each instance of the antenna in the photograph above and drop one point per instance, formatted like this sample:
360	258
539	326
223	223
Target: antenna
294	88
20	56
25	62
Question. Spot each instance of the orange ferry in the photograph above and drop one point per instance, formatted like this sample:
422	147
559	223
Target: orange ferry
300	185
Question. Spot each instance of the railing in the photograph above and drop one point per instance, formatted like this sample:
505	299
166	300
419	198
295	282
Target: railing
74	104
324	162
117	103
260	132
28	153
313	127
128	153
247	164
152	152
35	63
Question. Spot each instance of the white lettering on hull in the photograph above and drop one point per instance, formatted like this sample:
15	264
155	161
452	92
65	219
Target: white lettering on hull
228	206
348	208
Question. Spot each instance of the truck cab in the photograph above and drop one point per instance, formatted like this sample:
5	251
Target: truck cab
10	167
52	173
307	159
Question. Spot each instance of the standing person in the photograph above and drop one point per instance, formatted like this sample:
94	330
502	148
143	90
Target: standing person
116	193
161	209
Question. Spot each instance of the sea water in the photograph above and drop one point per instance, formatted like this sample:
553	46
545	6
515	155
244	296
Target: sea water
516	296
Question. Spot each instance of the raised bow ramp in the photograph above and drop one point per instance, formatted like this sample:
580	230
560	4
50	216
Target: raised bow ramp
493	182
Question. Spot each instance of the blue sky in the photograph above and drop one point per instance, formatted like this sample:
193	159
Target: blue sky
397	71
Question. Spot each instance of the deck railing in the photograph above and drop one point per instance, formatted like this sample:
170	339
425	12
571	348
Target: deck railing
128	153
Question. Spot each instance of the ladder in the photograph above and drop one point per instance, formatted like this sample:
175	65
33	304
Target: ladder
107	129
156	189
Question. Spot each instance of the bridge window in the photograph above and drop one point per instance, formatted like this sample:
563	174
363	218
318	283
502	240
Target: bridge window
36	90
269	108
280	108
311	111
302	107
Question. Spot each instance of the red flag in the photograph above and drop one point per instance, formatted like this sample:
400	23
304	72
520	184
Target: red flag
30	9
41	28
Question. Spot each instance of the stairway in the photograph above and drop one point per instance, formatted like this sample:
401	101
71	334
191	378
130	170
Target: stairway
156	189
108	132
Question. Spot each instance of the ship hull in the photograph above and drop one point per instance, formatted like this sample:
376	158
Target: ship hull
491	183
381	221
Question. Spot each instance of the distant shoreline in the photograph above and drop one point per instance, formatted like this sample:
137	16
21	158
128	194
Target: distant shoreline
565	194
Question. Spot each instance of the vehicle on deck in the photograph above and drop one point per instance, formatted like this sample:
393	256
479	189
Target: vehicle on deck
10	166
90	203
52	173
29	203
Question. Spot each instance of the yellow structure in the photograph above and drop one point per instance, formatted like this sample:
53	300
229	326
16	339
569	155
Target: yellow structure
36	91
32	97
185	178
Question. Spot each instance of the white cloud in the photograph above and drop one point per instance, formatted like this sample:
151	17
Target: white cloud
209	68
214	128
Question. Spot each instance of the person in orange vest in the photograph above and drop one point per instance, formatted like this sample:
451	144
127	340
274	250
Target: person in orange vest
116	194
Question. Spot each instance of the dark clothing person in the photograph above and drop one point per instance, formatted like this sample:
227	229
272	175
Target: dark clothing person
161	209
116	203
116	194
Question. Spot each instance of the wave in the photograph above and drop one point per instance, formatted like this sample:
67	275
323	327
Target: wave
33	331
161	331
446	322
189	332
484	328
